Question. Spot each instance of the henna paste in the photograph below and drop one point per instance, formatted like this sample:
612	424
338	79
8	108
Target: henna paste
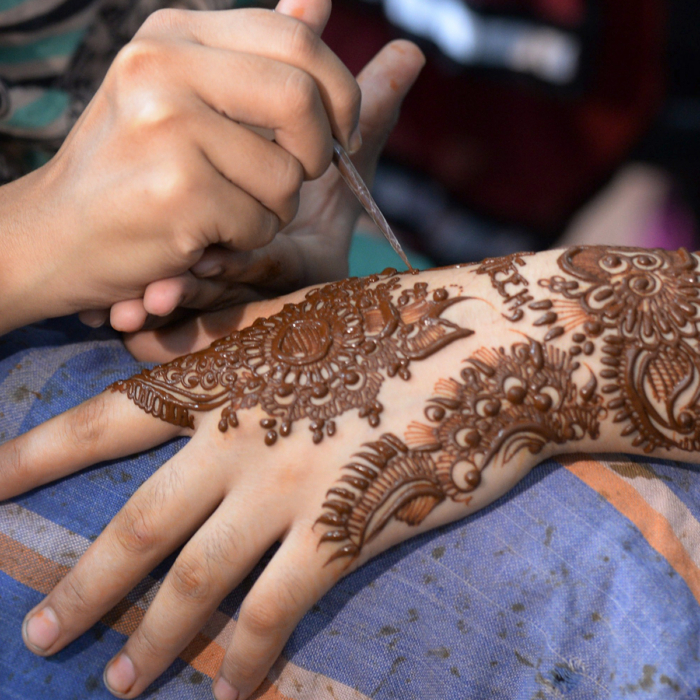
645	304
505	401
316	359
503	272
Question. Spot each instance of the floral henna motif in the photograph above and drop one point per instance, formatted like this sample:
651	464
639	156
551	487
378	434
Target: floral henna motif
645	304
316	359
505	402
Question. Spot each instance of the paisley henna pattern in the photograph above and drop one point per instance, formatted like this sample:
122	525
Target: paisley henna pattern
316	359
634	312
505	401
645	305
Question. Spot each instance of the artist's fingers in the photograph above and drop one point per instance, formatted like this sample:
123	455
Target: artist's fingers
157	519
385	81
313	13
283	39
290	584
276	267
212	564
128	316
106	426
94	317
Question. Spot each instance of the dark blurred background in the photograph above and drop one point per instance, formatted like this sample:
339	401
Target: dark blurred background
537	122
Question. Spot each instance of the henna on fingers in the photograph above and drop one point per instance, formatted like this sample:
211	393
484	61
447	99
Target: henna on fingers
314	360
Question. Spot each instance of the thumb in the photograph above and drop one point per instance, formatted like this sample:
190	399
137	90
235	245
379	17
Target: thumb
313	13
385	82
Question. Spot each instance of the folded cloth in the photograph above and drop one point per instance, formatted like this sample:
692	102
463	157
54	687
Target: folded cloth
581	583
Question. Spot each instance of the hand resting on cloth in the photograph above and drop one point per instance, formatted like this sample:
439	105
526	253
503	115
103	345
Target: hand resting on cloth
350	417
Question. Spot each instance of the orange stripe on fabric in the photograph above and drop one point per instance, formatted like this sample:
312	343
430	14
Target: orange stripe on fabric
654	527
35	571
28	567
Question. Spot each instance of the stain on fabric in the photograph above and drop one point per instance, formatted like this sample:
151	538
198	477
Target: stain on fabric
665	680
517	607
522	659
548	535
438	553
633	470
440	653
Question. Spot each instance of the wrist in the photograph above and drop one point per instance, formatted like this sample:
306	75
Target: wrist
27	292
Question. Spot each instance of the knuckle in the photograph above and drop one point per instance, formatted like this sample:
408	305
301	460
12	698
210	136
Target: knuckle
262	618
134	531
191	579
13	461
350	101
145	641
165	20
137	57
301	94
72	599
274	613
290	178
302	43
86	423
172	188
270	227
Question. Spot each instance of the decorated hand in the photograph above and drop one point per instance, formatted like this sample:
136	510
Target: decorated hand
354	416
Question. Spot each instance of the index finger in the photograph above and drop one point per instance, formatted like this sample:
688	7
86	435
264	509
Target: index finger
279	37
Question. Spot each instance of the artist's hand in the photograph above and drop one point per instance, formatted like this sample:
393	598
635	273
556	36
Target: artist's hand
159	167
313	248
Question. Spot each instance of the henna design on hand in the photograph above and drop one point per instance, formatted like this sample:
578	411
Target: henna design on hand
647	303
505	402
316	359
503	272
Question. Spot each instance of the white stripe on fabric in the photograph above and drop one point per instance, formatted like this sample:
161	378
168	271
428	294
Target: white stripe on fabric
662	499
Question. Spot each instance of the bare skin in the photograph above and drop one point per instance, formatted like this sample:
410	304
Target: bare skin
161	197
604	357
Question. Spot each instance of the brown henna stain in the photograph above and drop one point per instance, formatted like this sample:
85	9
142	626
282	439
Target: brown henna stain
503	272
648	304
316	359
506	401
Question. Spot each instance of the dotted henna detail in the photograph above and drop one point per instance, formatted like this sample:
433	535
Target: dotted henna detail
506	401
313	360
647	303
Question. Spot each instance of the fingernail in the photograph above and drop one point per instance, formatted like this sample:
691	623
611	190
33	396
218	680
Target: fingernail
207	268
223	690
41	630
355	143
120	675
94	319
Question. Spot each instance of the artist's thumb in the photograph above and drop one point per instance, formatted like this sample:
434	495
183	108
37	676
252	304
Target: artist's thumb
385	81
313	13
